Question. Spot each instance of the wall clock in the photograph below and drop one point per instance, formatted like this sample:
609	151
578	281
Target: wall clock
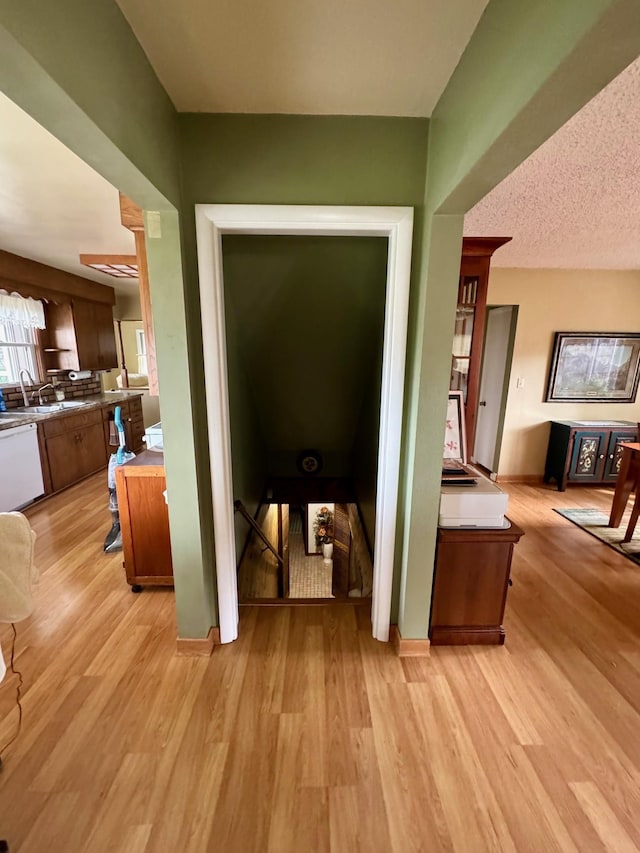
309	462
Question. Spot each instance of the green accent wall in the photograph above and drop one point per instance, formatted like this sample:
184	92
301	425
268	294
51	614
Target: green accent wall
305	318
529	65
271	159
278	159
77	68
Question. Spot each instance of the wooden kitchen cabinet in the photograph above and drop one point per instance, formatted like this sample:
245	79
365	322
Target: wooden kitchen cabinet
144	521
73	448
472	576
586	451
79	336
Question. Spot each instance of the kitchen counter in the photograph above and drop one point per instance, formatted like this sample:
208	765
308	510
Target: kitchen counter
95	401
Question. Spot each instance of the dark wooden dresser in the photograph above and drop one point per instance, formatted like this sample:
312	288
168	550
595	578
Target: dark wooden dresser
586	451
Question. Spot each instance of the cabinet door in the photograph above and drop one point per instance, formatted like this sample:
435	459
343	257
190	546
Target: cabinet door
589	455
614	451
95	336
74	454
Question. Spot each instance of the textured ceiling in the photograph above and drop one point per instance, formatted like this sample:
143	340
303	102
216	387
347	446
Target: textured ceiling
52	205
575	203
361	57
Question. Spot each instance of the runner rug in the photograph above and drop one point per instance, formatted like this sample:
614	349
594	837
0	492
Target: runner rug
595	522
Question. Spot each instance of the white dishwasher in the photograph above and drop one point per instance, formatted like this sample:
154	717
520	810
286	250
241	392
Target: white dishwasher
20	468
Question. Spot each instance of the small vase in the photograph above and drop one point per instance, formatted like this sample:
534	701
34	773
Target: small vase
327	551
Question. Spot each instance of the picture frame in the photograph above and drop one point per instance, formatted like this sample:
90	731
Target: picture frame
455	438
594	367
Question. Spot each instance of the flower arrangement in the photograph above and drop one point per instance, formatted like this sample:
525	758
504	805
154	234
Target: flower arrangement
323	526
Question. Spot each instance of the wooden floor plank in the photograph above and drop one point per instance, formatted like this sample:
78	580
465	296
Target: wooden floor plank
307	734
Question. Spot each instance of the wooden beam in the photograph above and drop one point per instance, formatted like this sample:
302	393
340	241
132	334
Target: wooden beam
131	214
132	217
147	318
31	278
89	260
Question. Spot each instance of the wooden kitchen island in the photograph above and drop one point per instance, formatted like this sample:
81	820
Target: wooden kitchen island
144	520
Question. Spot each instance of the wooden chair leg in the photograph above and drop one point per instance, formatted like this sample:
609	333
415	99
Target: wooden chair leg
633	520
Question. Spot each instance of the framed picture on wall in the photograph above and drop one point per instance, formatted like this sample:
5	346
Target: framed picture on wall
594	367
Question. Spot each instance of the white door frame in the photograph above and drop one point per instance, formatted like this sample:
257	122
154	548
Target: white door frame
394	223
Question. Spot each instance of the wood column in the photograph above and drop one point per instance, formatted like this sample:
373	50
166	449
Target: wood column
132	218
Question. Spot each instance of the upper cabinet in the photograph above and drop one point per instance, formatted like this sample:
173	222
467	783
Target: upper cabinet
468	335
80	336
79	331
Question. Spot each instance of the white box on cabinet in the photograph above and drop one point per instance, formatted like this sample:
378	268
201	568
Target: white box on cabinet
482	505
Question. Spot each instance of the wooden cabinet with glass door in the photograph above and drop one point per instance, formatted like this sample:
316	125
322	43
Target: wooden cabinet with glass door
468	335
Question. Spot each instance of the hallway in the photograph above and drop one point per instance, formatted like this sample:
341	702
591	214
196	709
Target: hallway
307	734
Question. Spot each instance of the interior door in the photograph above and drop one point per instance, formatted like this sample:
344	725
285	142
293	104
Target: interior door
494	383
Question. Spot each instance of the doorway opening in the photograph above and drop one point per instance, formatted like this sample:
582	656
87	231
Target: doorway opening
302	553
497	356
394	224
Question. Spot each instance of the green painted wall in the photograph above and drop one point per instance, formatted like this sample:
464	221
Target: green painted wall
528	67
183	411
307	315
236	159
248	451
305	319
274	159
77	69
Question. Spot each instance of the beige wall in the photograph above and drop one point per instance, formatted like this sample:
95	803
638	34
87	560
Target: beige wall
556	301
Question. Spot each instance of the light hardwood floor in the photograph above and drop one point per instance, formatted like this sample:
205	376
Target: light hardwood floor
306	734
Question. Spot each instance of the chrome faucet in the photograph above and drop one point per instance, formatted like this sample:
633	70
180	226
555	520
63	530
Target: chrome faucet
40	390
22	388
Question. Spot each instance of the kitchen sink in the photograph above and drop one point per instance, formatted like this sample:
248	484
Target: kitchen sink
45	409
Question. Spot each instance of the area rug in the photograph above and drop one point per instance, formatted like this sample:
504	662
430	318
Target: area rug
595	522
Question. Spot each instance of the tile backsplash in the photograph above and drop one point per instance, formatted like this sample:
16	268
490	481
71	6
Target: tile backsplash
72	390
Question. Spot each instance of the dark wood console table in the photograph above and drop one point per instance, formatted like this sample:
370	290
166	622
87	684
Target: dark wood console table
586	451
473	567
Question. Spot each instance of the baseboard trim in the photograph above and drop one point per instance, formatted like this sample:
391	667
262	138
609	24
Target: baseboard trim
198	646
408	648
528	479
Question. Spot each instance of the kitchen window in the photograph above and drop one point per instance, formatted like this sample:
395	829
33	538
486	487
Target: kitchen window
19	320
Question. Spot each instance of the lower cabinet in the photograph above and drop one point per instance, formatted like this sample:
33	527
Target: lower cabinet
472	576
74	448
144	521
586	452
131	413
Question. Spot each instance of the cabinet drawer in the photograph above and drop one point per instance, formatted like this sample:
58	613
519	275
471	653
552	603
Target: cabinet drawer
107	411
60	425
135	407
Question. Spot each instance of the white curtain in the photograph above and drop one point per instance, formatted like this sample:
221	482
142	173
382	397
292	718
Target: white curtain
25	312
